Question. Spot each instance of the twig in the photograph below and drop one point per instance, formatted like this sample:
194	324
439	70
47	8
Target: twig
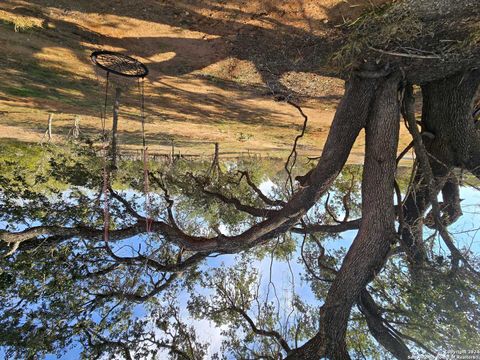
414	56
293	153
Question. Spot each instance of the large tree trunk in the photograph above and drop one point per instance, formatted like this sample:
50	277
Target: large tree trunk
447	114
369	250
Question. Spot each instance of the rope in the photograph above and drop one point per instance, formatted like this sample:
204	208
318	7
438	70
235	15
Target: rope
106	203
106	177
141	85
122	65
148	220
104	115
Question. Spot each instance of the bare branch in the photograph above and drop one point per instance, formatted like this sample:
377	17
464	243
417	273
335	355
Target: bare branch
292	158
137	297
261	195
327	228
270	333
257	212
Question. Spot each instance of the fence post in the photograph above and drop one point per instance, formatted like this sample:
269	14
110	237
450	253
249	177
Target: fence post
48	132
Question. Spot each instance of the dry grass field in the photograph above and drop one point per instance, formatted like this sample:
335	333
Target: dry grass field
209	81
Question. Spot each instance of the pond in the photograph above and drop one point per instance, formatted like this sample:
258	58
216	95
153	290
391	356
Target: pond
108	263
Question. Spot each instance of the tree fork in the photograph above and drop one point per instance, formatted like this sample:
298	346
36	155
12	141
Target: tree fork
350	118
370	248
447	114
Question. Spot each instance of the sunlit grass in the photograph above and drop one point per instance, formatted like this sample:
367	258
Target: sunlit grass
20	23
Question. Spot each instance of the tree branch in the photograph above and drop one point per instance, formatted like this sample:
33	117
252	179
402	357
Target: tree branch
261	195
257	212
327	228
270	333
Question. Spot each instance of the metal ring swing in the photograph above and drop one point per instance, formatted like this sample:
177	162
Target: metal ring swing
126	66
119	64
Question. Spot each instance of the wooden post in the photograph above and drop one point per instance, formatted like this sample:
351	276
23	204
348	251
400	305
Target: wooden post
172	153
215	167
49	129
74	132
48	132
116	109
216	152
76	127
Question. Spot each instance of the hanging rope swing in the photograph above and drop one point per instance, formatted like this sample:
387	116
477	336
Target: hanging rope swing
121	70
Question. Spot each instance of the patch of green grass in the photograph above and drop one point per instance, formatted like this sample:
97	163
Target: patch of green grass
11	146
25	92
37	81
12	151
35	92
37	73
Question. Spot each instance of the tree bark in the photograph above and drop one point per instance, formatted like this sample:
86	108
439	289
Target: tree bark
447	110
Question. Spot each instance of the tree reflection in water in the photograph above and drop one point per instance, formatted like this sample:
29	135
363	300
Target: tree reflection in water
194	287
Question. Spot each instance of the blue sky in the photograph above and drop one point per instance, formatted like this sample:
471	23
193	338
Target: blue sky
466	232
